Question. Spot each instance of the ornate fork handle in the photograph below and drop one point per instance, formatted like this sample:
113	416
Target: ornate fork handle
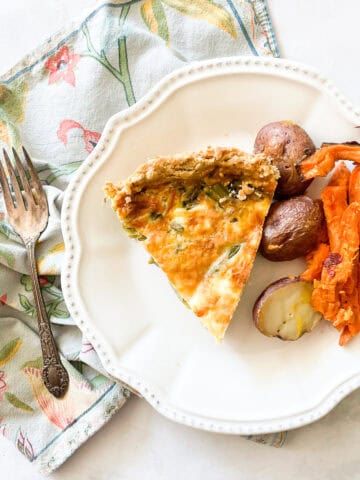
55	376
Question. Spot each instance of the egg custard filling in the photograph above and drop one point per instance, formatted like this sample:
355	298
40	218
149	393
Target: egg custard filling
200	217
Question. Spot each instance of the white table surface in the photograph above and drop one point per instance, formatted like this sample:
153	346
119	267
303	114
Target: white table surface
138	442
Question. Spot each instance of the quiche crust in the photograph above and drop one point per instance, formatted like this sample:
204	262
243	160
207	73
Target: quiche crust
200	217
192	166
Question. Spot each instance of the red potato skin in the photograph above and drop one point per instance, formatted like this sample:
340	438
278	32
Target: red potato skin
288	145
292	228
259	303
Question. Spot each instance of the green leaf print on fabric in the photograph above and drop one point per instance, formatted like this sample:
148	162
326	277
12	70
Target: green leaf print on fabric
206	10
54	300
8	257
46	282
52	307
17	403
26	304
37	363
153	15
8	231
9	350
54	310
78	365
121	72
12	106
12	100
55	307
26	281
59	171
99	382
49	288
64	170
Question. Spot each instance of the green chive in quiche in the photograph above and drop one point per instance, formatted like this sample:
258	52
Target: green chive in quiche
200	217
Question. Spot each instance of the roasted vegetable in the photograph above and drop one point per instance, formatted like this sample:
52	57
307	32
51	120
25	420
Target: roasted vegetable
323	161
288	145
336	294
315	262
284	310
292	228
334	266
133	233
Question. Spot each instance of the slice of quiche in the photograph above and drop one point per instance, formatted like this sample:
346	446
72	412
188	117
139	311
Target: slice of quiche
200	217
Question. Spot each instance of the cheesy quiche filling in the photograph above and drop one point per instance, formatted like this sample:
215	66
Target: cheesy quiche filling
201	221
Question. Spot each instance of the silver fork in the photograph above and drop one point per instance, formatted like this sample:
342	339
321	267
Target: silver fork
28	213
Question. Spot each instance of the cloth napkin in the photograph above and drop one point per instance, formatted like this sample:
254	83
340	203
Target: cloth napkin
56	103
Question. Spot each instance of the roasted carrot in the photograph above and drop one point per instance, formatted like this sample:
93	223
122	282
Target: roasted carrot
340	177
349	241
354	185
349	230
335	268
334	202
315	260
336	291
345	336
349	315
323	160
325	301
339	267
329	144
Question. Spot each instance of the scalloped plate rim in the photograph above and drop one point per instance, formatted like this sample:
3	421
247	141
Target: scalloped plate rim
154	98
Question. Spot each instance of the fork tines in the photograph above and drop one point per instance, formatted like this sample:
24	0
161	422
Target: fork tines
29	183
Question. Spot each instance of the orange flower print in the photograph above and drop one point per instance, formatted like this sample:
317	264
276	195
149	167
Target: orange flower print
62	412
61	66
90	138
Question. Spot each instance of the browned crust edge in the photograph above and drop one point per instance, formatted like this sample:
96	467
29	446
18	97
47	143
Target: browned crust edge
191	166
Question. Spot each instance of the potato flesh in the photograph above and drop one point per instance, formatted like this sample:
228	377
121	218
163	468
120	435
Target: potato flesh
287	312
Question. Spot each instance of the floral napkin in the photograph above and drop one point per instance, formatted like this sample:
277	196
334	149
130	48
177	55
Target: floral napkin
56	103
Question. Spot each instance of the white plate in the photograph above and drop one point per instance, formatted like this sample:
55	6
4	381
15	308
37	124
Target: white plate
126	308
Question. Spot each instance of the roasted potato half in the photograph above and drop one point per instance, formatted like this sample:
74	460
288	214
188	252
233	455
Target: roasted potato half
284	310
288	145
292	228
